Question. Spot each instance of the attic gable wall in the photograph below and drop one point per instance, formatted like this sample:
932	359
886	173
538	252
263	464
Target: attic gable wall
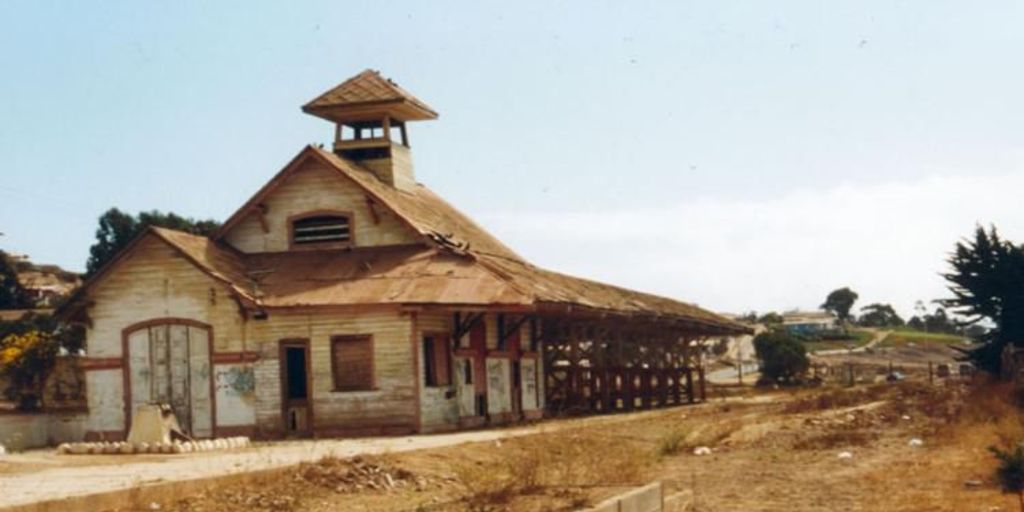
314	187
156	281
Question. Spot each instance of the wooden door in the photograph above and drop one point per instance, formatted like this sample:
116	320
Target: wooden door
169	363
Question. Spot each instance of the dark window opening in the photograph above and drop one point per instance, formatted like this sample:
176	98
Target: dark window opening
321	229
468	367
295	361
517	377
435	361
481	405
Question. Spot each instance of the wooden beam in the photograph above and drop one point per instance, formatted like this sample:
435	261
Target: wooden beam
462	327
506	331
372	206
261	212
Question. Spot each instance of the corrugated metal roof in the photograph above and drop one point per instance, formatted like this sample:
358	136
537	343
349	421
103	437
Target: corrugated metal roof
417	275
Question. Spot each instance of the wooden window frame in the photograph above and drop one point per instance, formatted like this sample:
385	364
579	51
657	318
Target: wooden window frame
442	341
351	242
342	338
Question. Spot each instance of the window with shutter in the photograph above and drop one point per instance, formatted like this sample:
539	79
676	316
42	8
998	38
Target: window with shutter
352	363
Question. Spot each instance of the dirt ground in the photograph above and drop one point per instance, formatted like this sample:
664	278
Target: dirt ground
775	451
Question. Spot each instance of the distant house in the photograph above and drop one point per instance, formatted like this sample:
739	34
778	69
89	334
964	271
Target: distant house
346	298
808	322
46	284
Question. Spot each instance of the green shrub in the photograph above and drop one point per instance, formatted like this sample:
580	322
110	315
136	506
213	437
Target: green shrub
1010	472
783	357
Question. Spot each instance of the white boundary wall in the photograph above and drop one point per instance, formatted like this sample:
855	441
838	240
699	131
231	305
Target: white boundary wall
24	431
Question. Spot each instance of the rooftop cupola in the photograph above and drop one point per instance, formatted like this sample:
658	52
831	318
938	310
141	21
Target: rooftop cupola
370	113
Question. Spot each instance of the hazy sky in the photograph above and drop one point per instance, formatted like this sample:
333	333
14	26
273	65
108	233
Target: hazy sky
741	155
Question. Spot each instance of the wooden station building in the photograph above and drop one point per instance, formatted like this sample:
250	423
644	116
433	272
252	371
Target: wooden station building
345	298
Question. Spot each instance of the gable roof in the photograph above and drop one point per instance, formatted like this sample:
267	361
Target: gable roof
220	263
368	92
458	263
420	209
414	275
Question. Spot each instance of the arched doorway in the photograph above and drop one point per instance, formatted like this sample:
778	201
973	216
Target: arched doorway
168	362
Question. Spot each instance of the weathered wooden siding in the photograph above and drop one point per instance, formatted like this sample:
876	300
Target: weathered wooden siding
315	187
389	407
439	407
153	282
157	282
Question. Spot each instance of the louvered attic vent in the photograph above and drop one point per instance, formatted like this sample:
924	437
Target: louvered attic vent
321	229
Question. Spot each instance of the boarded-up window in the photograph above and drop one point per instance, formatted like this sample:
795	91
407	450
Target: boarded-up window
321	229
352	363
436	369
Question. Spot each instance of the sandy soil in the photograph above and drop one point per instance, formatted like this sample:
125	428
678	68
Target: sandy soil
775	452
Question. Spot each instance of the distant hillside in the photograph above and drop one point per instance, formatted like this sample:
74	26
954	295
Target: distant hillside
47	284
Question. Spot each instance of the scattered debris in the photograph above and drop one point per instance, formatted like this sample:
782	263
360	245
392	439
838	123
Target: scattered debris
357	474
702	450
973	484
905	417
916	442
845	456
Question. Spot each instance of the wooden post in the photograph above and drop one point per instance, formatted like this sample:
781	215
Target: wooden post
689	385
703	389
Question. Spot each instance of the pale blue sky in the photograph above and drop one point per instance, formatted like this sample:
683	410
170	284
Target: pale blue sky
771	151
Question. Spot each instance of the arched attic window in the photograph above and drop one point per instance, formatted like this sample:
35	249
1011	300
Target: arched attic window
321	229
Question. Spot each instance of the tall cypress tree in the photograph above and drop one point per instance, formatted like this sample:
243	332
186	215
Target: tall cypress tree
987	283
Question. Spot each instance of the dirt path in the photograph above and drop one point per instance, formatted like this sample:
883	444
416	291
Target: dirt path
776	452
42	475
876	338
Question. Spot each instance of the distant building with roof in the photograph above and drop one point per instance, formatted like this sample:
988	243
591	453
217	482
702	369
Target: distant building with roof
809	322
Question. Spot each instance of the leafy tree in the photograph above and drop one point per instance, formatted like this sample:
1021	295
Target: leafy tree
12	294
939	321
916	323
28	353
749	317
770	318
783	357
879	315
117	229
840	302
24	359
987	283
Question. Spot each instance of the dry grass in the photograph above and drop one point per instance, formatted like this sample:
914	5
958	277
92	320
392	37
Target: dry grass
564	464
835	439
837	398
673	442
